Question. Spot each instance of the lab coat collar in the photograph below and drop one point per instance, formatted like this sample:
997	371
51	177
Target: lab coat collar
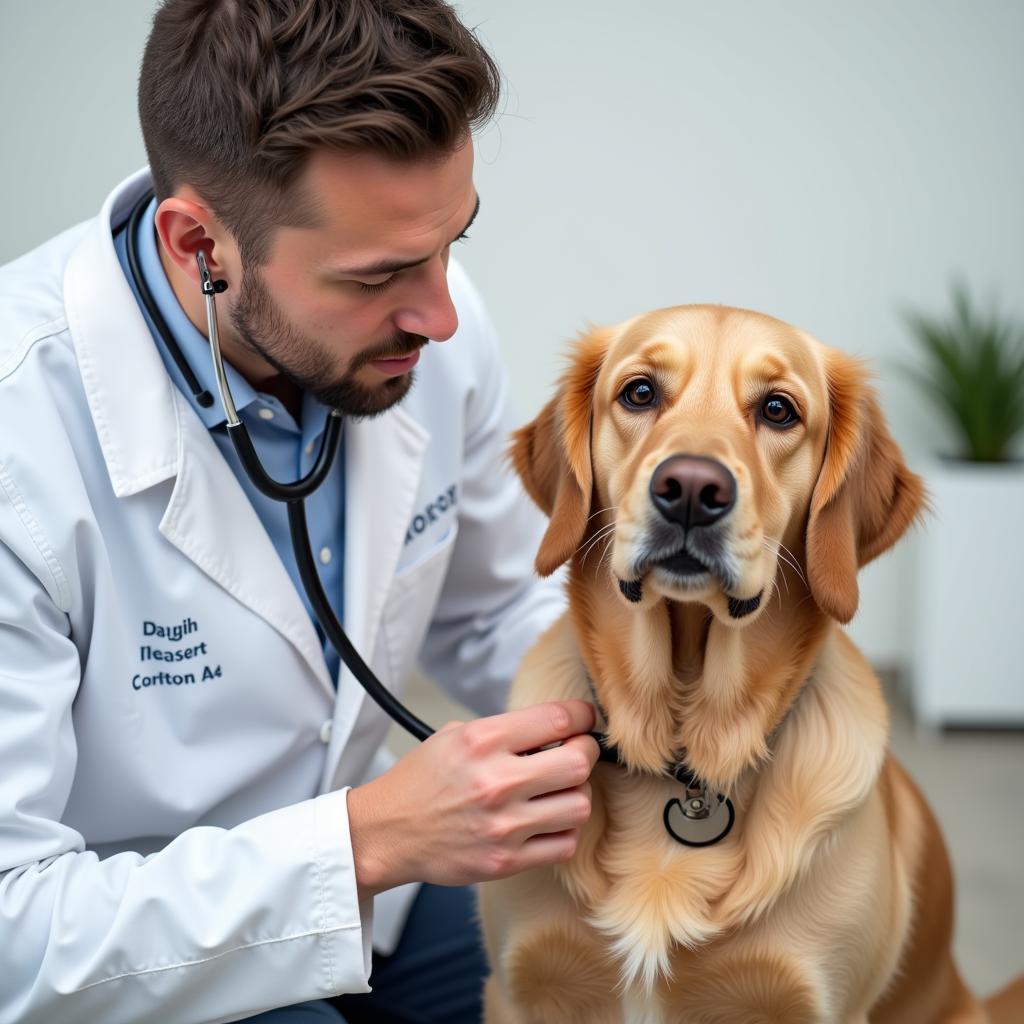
130	396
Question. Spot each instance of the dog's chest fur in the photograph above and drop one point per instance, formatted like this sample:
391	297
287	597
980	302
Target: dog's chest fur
666	912
647	893
641	1009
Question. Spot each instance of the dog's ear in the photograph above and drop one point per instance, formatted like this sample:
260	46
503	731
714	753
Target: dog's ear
552	454
865	497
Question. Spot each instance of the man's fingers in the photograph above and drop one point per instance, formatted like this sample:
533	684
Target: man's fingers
537	726
563	767
548	849
554	812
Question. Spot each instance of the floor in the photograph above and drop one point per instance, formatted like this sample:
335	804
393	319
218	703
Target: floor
974	781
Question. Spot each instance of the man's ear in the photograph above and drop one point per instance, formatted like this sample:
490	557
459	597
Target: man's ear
185	226
552	454
865	497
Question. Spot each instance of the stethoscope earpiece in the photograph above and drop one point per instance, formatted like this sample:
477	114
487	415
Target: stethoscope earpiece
206	281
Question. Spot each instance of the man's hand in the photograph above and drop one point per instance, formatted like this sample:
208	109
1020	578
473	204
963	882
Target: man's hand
465	807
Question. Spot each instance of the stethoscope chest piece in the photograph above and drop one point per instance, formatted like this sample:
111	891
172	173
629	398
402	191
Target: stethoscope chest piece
700	818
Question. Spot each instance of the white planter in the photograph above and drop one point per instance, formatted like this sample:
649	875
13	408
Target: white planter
968	662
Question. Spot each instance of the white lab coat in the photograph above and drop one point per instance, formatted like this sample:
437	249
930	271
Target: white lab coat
174	841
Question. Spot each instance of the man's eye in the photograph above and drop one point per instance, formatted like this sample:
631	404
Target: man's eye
778	411
373	288
639	394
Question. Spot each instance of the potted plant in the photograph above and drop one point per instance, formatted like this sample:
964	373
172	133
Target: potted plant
968	662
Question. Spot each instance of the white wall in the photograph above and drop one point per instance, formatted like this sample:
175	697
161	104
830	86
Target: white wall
825	163
70	132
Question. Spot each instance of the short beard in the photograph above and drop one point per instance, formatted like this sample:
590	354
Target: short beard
255	316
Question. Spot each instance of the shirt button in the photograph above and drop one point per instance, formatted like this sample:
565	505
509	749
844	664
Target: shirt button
309	448
266	414
325	731
325	556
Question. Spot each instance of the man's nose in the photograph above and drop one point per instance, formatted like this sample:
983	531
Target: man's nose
432	313
692	490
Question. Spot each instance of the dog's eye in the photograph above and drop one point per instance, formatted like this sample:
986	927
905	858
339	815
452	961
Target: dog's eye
778	411
639	394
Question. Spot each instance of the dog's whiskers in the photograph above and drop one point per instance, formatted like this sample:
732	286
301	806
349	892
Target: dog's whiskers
600	535
602	532
767	615
590	547
776	576
610	508
791	560
607	552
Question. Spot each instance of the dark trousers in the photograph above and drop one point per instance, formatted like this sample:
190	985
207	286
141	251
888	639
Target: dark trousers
435	975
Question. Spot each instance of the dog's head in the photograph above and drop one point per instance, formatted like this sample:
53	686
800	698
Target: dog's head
708	445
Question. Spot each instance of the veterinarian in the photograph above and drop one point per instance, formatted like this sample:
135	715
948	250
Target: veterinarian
197	819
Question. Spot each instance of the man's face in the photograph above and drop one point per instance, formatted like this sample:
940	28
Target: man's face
342	309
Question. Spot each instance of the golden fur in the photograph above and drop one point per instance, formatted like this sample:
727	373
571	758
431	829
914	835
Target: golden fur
831	899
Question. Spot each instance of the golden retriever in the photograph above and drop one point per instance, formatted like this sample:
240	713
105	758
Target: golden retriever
715	478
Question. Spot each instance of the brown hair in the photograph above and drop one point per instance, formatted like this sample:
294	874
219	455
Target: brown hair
235	94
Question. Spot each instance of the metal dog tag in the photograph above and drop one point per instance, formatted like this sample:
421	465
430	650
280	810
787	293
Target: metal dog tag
699	819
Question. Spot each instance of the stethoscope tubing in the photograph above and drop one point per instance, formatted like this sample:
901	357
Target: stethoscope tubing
337	636
292	494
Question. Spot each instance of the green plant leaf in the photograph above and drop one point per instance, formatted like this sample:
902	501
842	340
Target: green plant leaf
973	372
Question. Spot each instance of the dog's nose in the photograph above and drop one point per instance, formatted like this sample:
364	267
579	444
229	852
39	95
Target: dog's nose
692	490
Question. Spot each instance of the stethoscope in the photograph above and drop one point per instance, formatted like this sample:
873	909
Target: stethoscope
292	494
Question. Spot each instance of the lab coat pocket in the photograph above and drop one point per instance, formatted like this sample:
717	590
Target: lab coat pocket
411	602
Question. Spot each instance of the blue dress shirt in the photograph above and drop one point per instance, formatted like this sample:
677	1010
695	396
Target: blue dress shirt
287	449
